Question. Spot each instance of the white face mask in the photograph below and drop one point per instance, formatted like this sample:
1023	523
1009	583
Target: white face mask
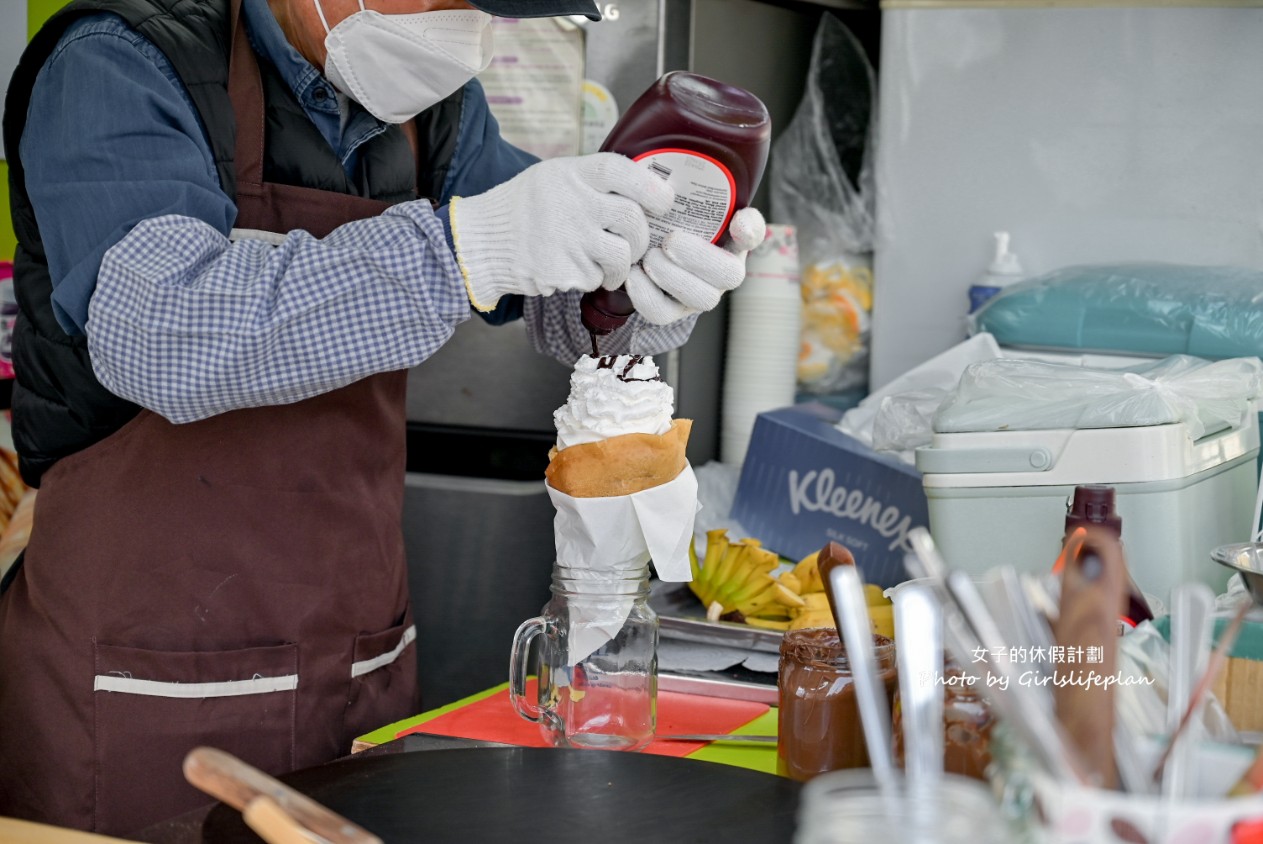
397	66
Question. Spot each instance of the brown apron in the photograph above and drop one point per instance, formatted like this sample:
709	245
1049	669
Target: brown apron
237	582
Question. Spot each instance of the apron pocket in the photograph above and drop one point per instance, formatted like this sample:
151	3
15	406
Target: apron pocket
383	680
153	707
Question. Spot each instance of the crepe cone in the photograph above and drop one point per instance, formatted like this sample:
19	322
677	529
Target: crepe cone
619	465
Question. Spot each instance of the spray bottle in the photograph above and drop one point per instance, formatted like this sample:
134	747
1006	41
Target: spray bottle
1005	269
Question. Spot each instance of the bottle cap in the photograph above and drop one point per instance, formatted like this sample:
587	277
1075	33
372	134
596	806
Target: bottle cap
1093	504
602	311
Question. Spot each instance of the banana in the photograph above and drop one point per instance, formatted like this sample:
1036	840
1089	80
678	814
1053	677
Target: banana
811	618
734	576
805	564
788	597
816	601
873	595
733	555
780	612
768	623
763	603
882	617
750	576
808	573
703	579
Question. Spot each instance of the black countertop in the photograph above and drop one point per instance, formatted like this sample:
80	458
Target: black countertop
460	790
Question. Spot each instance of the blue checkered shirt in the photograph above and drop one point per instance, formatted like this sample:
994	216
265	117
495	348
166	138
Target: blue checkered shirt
189	323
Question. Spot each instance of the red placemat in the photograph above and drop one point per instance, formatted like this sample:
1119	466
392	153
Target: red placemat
494	719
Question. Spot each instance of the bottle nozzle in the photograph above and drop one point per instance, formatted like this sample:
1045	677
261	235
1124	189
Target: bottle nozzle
601	311
1004	262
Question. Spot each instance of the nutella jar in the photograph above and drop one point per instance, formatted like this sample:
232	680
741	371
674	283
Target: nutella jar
819	726
967	723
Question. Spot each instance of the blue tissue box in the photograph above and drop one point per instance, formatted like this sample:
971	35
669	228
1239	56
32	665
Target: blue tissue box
804	483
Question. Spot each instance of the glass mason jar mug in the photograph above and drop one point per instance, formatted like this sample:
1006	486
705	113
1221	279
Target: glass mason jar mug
598	660
849	807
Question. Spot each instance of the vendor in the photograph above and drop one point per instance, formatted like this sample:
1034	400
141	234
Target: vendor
239	223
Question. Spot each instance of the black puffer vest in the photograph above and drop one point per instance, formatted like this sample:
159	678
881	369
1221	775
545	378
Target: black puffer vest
59	407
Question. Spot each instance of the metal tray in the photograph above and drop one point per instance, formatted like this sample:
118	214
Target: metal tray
682	617
1246	558
717	684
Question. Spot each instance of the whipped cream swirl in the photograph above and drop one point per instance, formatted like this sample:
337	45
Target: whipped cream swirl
609	398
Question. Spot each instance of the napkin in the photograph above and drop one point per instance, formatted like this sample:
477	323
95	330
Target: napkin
600	537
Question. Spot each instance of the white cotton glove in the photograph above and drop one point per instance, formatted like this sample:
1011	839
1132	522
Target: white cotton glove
687	274
564	224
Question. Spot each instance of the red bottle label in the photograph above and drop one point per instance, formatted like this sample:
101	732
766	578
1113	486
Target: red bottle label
705	194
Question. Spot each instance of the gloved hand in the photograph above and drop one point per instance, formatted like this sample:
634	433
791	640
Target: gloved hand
563	224
687	274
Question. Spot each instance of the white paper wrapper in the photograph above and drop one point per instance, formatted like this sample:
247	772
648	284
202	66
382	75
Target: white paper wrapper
605	535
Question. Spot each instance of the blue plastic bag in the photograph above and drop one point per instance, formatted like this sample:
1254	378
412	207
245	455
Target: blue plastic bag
1143	308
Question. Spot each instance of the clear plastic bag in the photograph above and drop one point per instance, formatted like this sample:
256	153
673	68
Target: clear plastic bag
822	184
1143	652
1013	395
903	421
897	417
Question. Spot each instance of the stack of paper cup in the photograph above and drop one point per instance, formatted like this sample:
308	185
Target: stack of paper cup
764	319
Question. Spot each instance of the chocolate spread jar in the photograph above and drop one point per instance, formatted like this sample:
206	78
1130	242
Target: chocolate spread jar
819	724
967	722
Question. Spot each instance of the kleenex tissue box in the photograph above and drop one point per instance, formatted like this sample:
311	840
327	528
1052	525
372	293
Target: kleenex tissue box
805	483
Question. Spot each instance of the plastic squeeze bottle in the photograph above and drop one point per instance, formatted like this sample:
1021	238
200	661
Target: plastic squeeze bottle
1005	269
710	141
1093	504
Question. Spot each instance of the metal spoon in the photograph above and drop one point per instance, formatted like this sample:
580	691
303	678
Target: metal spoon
857	634
919	632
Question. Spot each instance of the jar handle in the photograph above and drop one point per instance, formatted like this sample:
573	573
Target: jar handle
518	661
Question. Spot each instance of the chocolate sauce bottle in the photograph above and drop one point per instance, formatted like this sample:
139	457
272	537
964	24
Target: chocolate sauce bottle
1093	504
710	141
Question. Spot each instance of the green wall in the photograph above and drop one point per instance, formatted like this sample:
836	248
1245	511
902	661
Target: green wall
37	11
7	240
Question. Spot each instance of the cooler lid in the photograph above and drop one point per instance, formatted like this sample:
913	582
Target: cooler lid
1069	457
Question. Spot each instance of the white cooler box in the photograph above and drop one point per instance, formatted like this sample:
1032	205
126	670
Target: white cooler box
1000	497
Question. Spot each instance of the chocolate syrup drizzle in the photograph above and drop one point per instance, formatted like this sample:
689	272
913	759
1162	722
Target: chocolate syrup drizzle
608	362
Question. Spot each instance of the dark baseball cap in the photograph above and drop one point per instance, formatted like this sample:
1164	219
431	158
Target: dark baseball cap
538	8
